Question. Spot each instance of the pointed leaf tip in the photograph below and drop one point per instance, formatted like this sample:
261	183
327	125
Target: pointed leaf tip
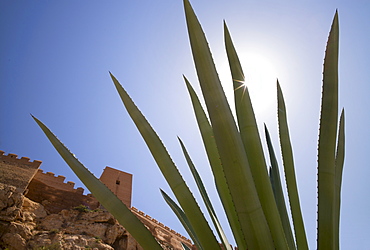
187	4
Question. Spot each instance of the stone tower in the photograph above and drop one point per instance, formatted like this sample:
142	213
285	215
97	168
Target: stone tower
119	182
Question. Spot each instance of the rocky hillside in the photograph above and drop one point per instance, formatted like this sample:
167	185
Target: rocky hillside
25	224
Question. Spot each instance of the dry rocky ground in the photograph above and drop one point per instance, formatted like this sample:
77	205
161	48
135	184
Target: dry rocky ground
25	224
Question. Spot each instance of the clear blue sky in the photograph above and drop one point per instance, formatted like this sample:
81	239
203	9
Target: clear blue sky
54	63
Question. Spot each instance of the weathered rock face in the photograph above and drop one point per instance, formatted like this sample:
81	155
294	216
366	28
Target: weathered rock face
10	203
33	207
73	229
25	224
98	224
61	240
16	224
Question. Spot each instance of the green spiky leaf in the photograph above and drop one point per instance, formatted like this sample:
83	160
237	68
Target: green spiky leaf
105	196
206	199
209	142
185	247
169	171
278	192
339	163
230	146
290	177
182	218
252	144
327	141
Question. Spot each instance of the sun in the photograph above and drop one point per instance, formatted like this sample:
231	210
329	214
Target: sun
260	78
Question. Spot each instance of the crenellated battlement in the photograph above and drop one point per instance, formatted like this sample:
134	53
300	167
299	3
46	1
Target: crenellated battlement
13	158
56	194
155	222
16	171
57	182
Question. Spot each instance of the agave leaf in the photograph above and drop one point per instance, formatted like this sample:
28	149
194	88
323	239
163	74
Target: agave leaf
327	141
218	172
278	192
339	162
228	141
205	197
182	218
185	247
170	172
252	144
103	194
290	177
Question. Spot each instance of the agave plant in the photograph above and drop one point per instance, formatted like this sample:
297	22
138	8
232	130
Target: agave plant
249	188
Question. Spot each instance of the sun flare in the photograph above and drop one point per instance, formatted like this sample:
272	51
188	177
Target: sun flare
260	78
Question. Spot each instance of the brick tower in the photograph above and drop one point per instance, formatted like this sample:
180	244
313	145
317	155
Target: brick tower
119	182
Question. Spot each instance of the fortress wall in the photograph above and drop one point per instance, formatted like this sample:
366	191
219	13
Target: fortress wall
55	200
17	172
56	194
161	231
57	182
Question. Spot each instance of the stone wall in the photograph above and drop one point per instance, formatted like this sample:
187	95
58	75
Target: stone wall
17	172
55	200
57	182
163	233
57	195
